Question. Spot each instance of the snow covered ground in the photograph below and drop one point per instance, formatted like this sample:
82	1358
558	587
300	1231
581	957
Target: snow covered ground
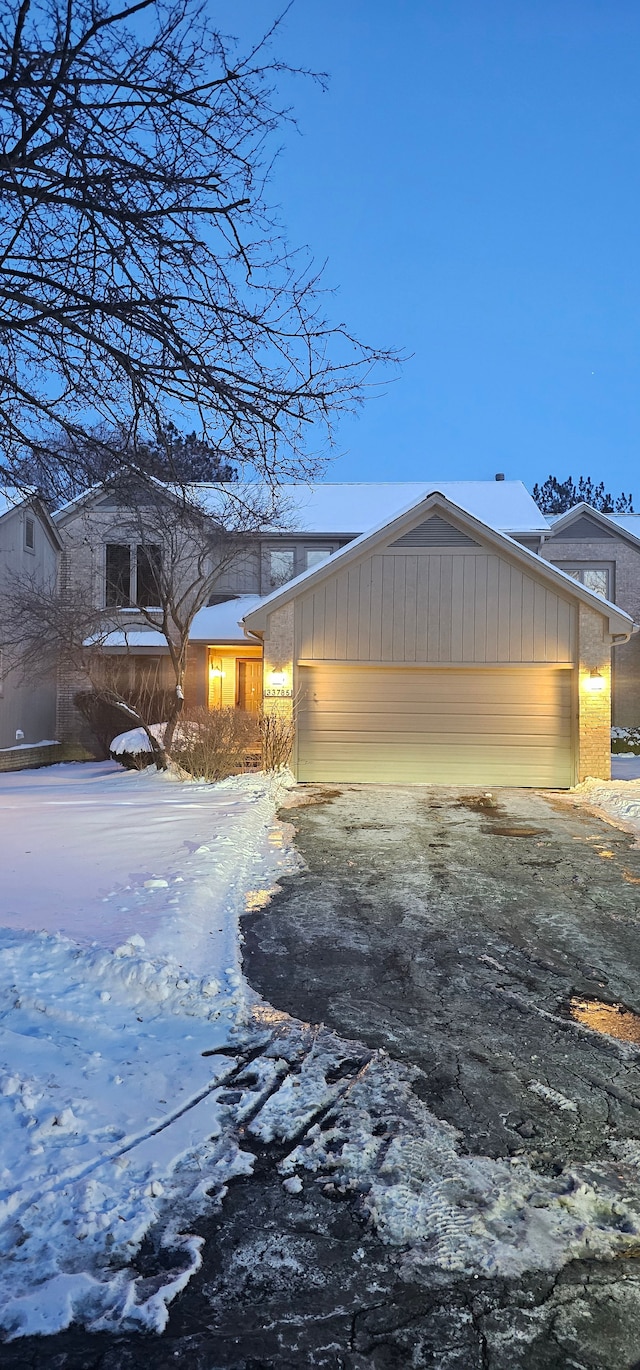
136	1065
618	799
119	967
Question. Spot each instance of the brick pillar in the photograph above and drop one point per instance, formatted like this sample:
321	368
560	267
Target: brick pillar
278	656
594	707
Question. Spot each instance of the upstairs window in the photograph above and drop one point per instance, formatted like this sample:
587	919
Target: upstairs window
314	556
281	567
29	534
148	572
596	578
132	576
118	576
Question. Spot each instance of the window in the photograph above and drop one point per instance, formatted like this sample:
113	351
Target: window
281	567
29	534
314	556
148	573
596	578
132	575
118	576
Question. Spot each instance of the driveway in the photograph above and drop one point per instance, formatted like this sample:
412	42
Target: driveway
459	932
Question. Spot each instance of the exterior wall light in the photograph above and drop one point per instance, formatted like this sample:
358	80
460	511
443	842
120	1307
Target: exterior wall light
277	679
594	682
216	673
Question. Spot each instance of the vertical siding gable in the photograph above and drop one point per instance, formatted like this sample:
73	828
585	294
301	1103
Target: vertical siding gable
450	606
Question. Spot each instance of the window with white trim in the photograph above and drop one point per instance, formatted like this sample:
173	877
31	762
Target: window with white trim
29	533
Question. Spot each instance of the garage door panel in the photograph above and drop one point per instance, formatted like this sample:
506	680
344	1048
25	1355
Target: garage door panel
445	727
352	728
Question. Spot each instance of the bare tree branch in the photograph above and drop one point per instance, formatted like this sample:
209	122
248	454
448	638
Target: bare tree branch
142	273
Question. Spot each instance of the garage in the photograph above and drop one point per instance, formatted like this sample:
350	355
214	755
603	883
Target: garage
444	727
438	650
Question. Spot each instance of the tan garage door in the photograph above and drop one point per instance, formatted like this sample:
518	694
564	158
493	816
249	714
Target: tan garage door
446	727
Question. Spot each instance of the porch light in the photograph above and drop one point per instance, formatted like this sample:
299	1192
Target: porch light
277	679
216	673
594	682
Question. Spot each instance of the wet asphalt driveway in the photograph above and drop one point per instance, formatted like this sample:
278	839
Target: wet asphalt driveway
454	930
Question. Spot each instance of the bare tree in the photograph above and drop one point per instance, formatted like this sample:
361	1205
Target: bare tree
143	277
183	548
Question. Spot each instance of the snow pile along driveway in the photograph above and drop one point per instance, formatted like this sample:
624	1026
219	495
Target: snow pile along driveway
110	1126
616	800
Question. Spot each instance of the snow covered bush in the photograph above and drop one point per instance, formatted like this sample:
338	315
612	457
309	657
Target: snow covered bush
625	740
106	718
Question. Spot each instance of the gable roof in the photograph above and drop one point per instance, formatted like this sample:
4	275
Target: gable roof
619	621
12	500
344	509
348	508
611	524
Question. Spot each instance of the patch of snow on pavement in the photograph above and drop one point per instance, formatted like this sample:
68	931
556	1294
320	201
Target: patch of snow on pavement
110	1123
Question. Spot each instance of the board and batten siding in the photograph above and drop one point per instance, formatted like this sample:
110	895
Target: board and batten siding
435	607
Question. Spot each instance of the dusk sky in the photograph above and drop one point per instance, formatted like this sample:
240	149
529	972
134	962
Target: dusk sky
472	177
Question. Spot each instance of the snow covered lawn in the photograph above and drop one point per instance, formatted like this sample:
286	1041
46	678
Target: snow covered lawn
119	968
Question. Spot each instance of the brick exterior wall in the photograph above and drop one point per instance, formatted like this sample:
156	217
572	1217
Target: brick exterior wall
278	656
28	758
626	593
594	709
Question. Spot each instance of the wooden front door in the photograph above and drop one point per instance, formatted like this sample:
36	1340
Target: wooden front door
249	684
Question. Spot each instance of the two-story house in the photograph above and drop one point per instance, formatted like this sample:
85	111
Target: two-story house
416	625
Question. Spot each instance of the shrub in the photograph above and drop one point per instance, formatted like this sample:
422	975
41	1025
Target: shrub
276	735
625	740
214	743
106	720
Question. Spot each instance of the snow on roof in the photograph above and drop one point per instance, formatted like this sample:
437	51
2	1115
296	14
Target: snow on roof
314	573
221	622
214	623
630	522
346	508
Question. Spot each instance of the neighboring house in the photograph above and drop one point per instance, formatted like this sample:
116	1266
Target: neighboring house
29	550
436	648
224	661
602	552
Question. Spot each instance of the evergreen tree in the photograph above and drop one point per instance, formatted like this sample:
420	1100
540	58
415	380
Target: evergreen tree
557	497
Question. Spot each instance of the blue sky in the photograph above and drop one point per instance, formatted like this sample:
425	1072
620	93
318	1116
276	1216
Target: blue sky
472	178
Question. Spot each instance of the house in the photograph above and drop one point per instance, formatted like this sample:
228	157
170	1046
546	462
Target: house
451	644
437	648
602	552
101	555
29	550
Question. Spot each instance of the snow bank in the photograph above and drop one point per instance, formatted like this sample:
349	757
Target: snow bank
617	800
111	1129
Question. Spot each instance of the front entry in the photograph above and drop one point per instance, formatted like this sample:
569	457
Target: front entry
249	684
